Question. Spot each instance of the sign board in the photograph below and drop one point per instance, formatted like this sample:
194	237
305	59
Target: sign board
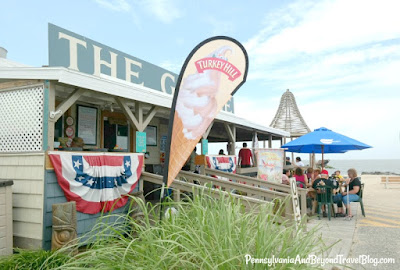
296	202
67	49
163	143
211	74
140	142
204	147
87	124
270	164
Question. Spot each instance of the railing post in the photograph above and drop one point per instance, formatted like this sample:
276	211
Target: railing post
303	199
177	195
141	185
202	170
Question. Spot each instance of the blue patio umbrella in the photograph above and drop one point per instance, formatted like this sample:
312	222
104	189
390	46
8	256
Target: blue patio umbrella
323	140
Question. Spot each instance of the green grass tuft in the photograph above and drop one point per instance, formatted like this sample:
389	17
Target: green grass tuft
33	259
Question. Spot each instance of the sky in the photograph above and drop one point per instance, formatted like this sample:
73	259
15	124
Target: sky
340	59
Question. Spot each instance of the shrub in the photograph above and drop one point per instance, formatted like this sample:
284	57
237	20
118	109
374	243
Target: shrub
206	233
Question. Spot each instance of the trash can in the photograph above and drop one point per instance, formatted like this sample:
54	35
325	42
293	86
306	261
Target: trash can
6	220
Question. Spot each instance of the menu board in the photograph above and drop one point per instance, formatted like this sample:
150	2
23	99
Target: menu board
87	124
270	164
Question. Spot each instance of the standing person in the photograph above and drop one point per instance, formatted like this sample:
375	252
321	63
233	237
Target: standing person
190	164
193	160
245	157
346	197
299	162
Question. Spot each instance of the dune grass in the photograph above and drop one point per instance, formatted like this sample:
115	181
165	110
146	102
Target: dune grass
33	259
205	233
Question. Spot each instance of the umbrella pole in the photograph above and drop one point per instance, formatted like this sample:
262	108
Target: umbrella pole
313	160
322	151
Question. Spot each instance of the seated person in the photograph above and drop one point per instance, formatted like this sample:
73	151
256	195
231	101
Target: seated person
288	161
338	176
285	177
221	152
314	176
309	173
353	195
301	178
322	180
328	181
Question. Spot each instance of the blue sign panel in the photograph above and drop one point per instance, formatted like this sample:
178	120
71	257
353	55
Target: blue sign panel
204	147
140	142
67	49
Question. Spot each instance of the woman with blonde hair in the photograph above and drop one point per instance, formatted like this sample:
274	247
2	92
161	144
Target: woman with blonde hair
352	195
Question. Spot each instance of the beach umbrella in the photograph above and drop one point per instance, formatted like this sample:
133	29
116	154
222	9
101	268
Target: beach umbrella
323	140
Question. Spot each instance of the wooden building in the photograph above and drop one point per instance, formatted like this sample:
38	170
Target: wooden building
40	106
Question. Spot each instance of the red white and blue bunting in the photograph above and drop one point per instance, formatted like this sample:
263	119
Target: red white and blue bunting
97	181
222	163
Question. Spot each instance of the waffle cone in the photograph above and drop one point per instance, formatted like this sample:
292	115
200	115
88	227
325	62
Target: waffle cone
180	150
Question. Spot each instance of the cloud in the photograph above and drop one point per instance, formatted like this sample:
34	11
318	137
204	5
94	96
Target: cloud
329	25
116	5
171	66
165	11
220	27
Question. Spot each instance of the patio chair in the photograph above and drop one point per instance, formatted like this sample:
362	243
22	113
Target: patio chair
360	199
324	197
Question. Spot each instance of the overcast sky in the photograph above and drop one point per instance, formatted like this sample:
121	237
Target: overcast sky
340	59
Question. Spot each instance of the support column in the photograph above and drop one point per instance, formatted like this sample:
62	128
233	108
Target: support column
270	141
139	115
293	160
50	87
232	138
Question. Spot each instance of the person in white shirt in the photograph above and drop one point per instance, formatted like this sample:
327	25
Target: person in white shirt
299	162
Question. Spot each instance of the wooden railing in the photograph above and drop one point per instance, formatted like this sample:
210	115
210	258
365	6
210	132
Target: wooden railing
251	181
206	182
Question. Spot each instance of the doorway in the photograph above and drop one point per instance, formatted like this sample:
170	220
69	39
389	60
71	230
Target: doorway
116	135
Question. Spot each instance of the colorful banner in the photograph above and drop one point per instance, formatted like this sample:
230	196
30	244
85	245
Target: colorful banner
97	181
212	73
270	164
222	163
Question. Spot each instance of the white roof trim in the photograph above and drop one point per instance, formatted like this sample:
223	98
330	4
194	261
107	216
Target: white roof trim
4	62
117	87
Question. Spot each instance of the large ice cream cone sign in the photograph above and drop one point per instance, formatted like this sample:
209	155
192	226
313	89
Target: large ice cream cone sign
211	74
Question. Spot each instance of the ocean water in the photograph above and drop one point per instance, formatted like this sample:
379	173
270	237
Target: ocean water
364	165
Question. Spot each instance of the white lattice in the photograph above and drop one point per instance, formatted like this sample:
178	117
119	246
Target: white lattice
21	120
